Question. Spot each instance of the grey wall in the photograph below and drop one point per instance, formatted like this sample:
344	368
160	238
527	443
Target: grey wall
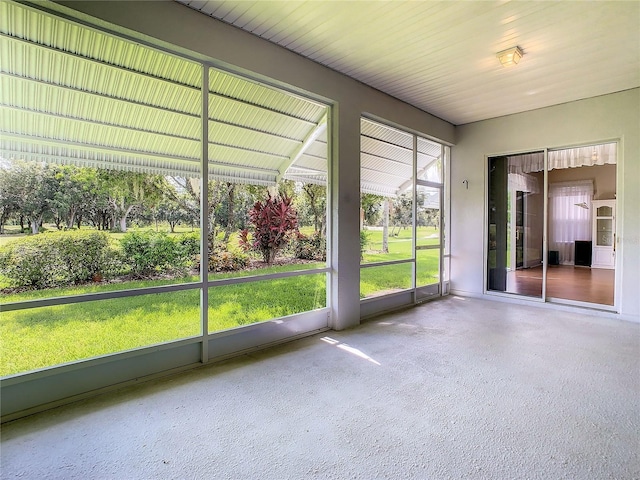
599	119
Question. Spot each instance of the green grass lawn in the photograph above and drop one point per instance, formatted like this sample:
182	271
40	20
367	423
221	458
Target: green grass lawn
389	278
46	336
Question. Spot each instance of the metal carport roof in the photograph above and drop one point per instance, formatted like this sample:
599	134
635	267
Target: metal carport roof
72	94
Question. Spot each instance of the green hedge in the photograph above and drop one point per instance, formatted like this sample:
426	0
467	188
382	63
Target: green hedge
189	243
150	253
57	258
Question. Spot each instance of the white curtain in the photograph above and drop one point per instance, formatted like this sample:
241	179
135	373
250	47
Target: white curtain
526	163
603	154
569	217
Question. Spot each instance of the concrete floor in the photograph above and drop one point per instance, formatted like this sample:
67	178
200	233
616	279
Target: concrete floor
458	388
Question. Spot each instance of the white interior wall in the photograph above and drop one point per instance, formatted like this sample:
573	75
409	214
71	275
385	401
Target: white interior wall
599	119
180	28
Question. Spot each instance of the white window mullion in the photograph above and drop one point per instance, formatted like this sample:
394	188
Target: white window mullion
204	216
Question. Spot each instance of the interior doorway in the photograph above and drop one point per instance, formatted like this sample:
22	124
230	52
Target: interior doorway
558	247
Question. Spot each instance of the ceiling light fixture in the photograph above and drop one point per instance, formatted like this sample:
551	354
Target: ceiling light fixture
510	56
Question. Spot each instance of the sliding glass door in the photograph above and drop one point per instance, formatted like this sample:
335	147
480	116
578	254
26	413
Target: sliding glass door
577	219
516	224
582	240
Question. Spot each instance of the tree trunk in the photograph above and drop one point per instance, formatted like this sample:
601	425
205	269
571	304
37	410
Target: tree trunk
71	219
231	190
385	226
34	226
123	219
314	207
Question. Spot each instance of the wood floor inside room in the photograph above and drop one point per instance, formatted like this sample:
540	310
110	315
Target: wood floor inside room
582	284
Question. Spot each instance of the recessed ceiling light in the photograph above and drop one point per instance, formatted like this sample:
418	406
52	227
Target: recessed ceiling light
510	56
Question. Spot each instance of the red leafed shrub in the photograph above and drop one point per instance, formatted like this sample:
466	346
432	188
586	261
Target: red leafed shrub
273	221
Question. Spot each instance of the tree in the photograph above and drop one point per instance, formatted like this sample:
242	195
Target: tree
230	220
33	188
172	212
273	221
316	199
9	183
191	198
129	190
371	206
385	226
228	202
186	192
402	212
74	190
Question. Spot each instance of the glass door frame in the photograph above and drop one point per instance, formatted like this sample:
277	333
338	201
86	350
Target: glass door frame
545	236
485	253
424	292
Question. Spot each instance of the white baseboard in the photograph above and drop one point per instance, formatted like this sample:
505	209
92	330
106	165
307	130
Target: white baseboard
585	310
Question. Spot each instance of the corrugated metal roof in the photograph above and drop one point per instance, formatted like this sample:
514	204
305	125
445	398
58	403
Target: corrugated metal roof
391	152
76	95
73	94
92	44
78	131
229	85
49	64
428	147
386	159
253	117
89	156
386	134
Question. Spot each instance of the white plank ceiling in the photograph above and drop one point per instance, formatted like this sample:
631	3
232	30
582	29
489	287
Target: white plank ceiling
441	56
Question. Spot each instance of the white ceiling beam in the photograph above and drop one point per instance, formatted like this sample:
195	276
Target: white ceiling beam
409	182
298	152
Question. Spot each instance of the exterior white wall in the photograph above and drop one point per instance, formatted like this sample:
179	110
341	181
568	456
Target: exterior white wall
180	28
604	118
